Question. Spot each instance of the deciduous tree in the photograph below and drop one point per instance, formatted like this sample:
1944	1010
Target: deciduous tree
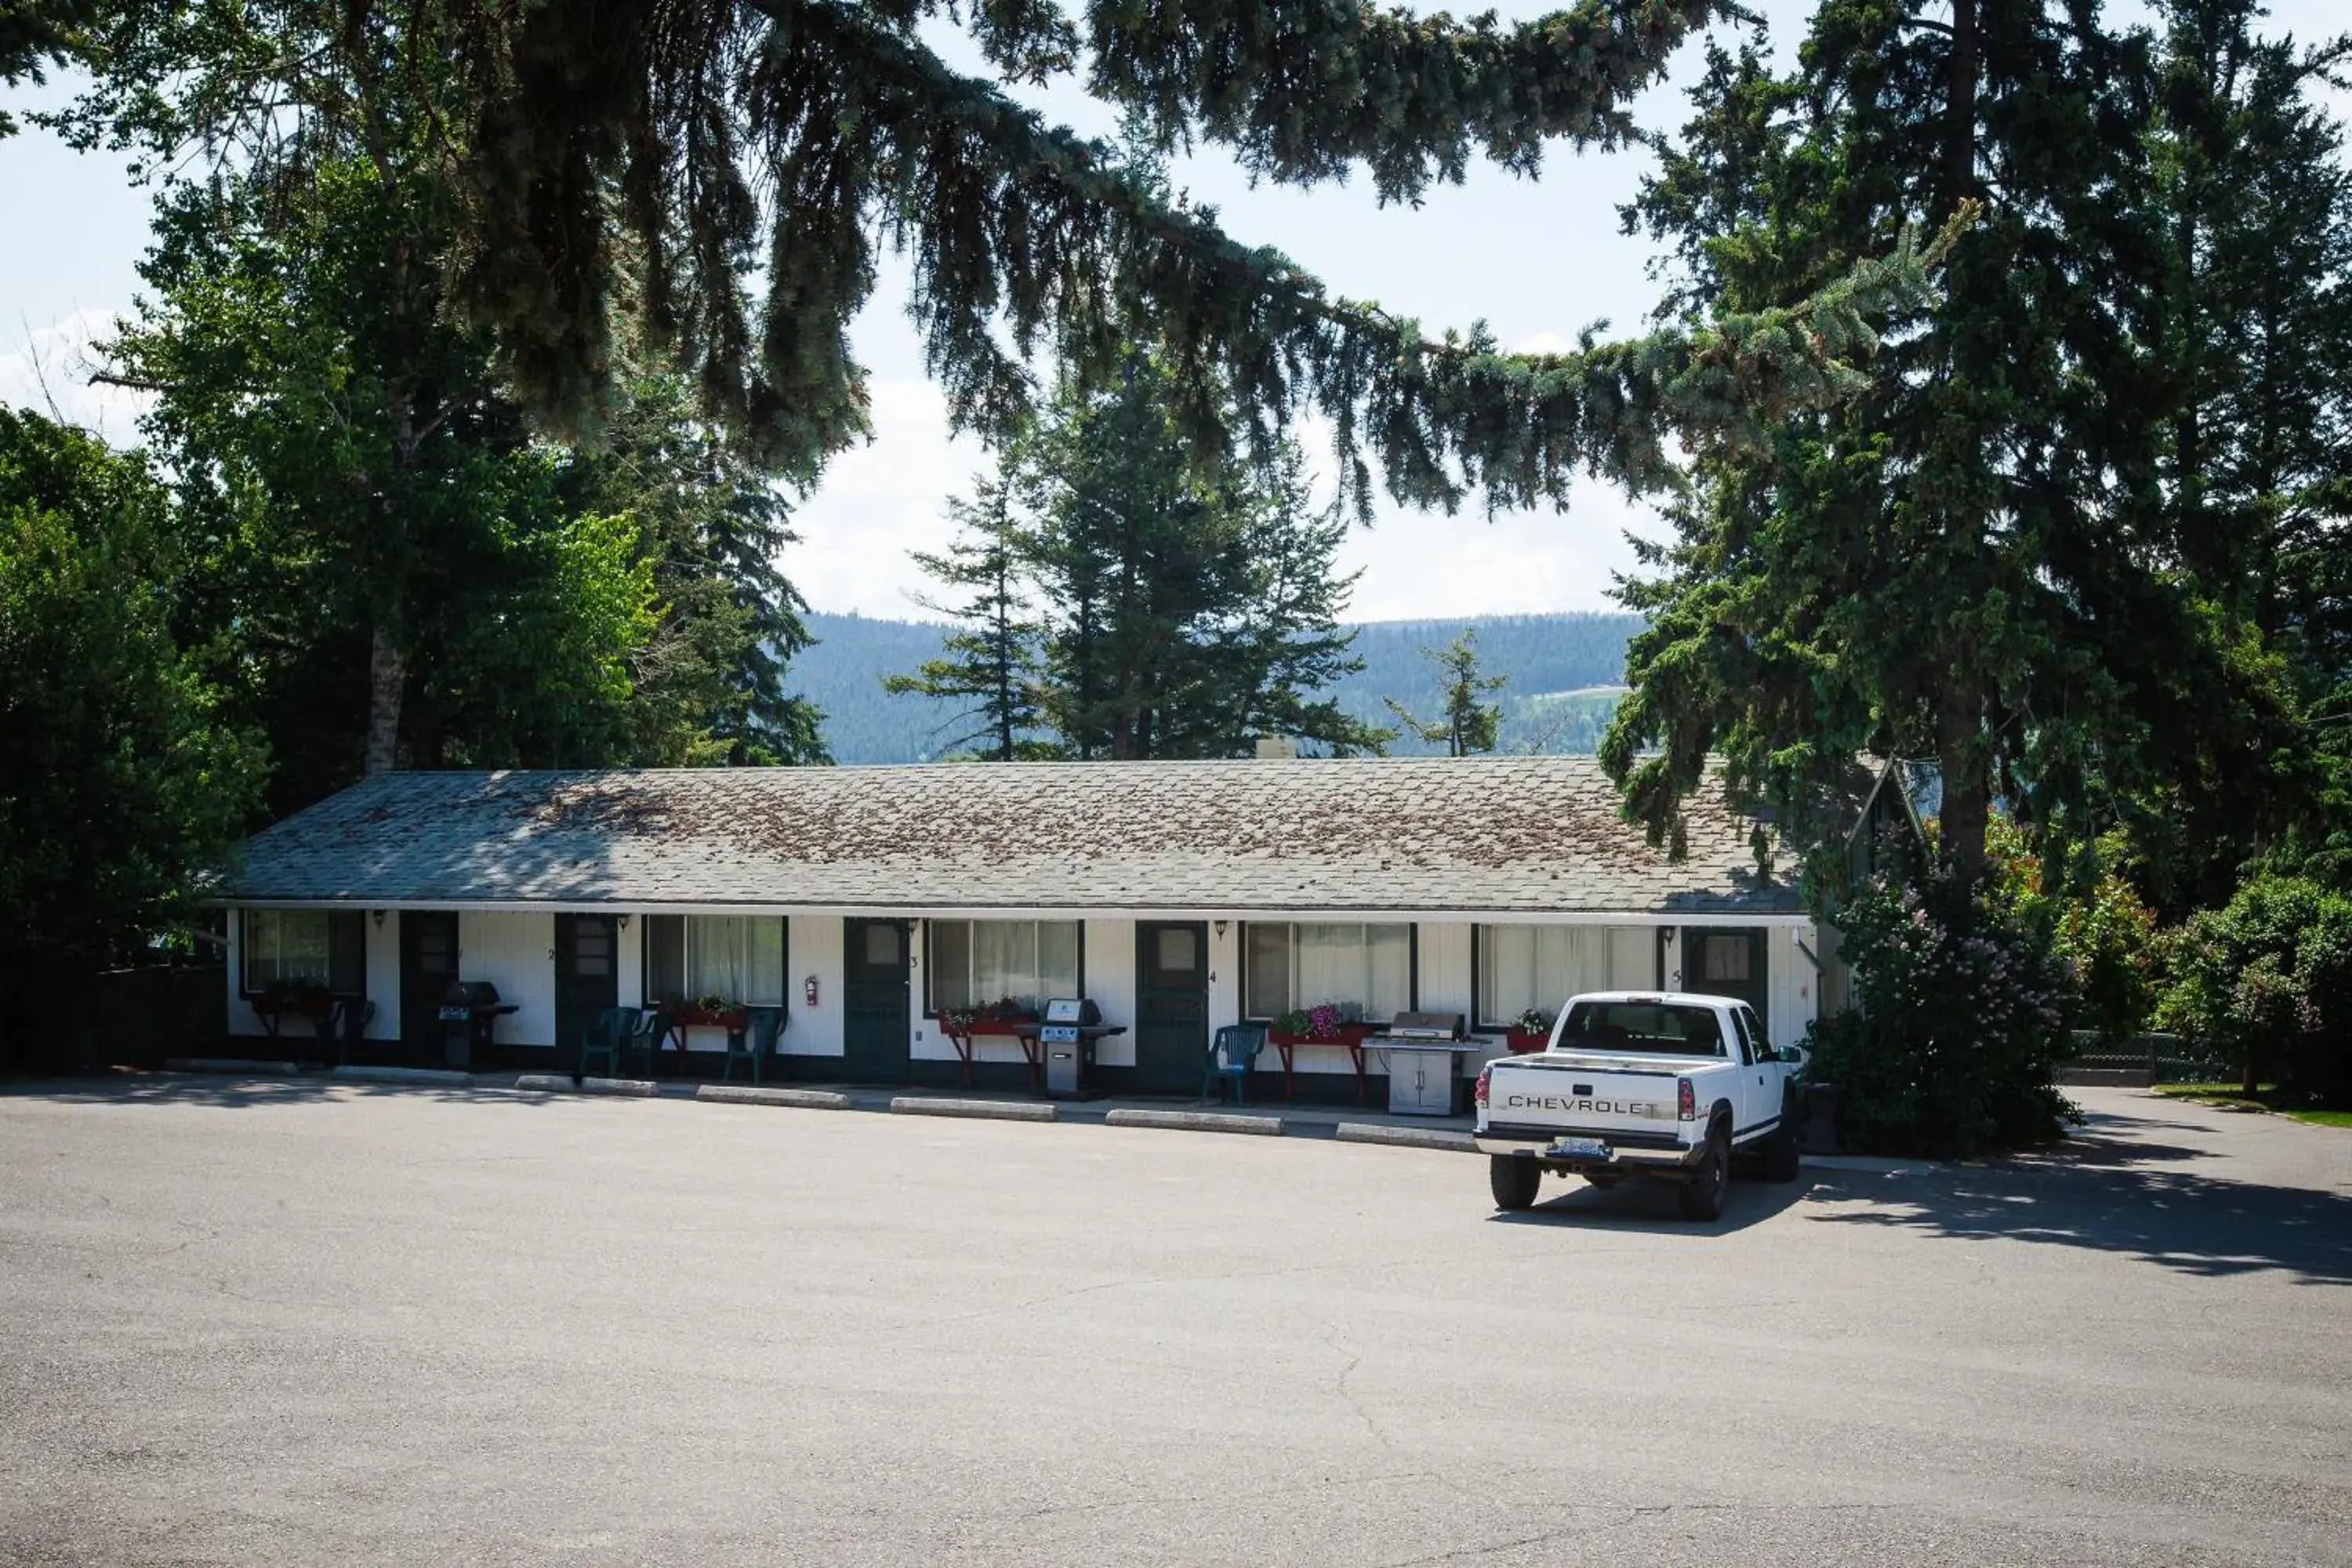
124	786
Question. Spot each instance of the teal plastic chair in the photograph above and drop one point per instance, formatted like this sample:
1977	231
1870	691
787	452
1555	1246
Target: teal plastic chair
1233	1055
606	1039
757	1038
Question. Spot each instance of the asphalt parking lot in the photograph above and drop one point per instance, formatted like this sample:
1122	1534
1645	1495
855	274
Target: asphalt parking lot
253	1324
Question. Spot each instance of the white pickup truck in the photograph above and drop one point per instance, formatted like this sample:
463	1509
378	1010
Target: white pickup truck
1634	1082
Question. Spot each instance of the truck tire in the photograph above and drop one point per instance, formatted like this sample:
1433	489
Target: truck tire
1702	1196
1515	1179
1782	1152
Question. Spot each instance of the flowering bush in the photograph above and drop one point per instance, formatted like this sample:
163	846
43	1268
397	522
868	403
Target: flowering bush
1323	1022
1534	1021
1961	1023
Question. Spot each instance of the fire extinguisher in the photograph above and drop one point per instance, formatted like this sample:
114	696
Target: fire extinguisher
808	988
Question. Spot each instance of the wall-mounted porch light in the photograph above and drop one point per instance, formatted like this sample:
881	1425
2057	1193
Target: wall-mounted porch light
378	916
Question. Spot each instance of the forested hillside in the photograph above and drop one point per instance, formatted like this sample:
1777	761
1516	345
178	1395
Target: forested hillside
1551	665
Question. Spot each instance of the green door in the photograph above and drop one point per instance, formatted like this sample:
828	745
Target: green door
587	979
1171	1005
874	1001
1718	963
428	964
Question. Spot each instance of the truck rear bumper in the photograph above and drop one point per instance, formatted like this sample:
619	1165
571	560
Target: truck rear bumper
1621	1158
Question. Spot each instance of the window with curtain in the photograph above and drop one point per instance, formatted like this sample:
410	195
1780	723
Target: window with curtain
1308	963
306	947
1524	966
975	962
737	957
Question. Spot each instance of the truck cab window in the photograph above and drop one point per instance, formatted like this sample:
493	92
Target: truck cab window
1670	1028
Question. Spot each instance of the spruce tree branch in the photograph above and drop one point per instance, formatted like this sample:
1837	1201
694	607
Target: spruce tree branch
1308	88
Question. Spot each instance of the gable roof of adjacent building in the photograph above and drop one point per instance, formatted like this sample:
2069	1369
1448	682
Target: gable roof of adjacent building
1493	834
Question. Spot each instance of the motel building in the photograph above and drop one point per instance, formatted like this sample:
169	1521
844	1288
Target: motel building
865	902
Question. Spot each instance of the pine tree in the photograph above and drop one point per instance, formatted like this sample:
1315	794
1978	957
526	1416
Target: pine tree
990	660
1972	561
1179	609
1469	725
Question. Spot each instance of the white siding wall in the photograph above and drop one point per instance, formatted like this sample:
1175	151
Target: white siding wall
1633	958
925	1043
1224	974
384	977
629	962
242	1018
1110	981
813	948
1448	984
516	952
1795	986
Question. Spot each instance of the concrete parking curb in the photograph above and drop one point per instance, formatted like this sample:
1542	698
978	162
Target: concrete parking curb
240	1065
561	1083
1198	1121
446	1076
1870	1163
795	1099
1406	1137
979	1110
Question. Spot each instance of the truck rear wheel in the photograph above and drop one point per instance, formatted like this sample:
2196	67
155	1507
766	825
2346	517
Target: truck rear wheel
1515	1179
1703	1195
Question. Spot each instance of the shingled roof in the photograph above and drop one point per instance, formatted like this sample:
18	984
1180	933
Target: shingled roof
1473	835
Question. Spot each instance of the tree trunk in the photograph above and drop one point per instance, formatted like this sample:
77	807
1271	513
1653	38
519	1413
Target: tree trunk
1960	107
387	680
1967	770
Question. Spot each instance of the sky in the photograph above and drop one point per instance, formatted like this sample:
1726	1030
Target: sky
1537	260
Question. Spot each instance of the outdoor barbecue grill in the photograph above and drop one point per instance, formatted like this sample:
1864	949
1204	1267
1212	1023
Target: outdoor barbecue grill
470	1011
1072	1028
1423	1052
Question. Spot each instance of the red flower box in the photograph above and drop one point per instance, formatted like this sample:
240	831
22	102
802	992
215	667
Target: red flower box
726	1018
1521	1042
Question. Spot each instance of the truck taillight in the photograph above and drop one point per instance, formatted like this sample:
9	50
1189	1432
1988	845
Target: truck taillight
1486	1077
1686	1101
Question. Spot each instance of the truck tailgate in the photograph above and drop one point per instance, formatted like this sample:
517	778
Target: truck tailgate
1559	1092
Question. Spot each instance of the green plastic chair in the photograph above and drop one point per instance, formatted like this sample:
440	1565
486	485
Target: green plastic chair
346	1025
606	1039
645	1038
761	1028
1231	1054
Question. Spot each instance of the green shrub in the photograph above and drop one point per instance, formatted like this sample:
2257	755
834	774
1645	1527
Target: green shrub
2110	938
2265	984
1961	1021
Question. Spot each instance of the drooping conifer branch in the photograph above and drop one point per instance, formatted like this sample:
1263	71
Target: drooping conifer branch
1026	238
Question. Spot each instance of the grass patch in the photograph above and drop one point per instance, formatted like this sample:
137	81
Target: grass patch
2233	1097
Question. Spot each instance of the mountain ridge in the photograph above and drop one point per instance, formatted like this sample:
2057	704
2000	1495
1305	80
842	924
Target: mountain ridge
1563	674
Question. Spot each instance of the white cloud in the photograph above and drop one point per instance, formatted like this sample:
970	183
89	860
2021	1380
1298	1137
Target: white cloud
880	502
884	500
51	372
